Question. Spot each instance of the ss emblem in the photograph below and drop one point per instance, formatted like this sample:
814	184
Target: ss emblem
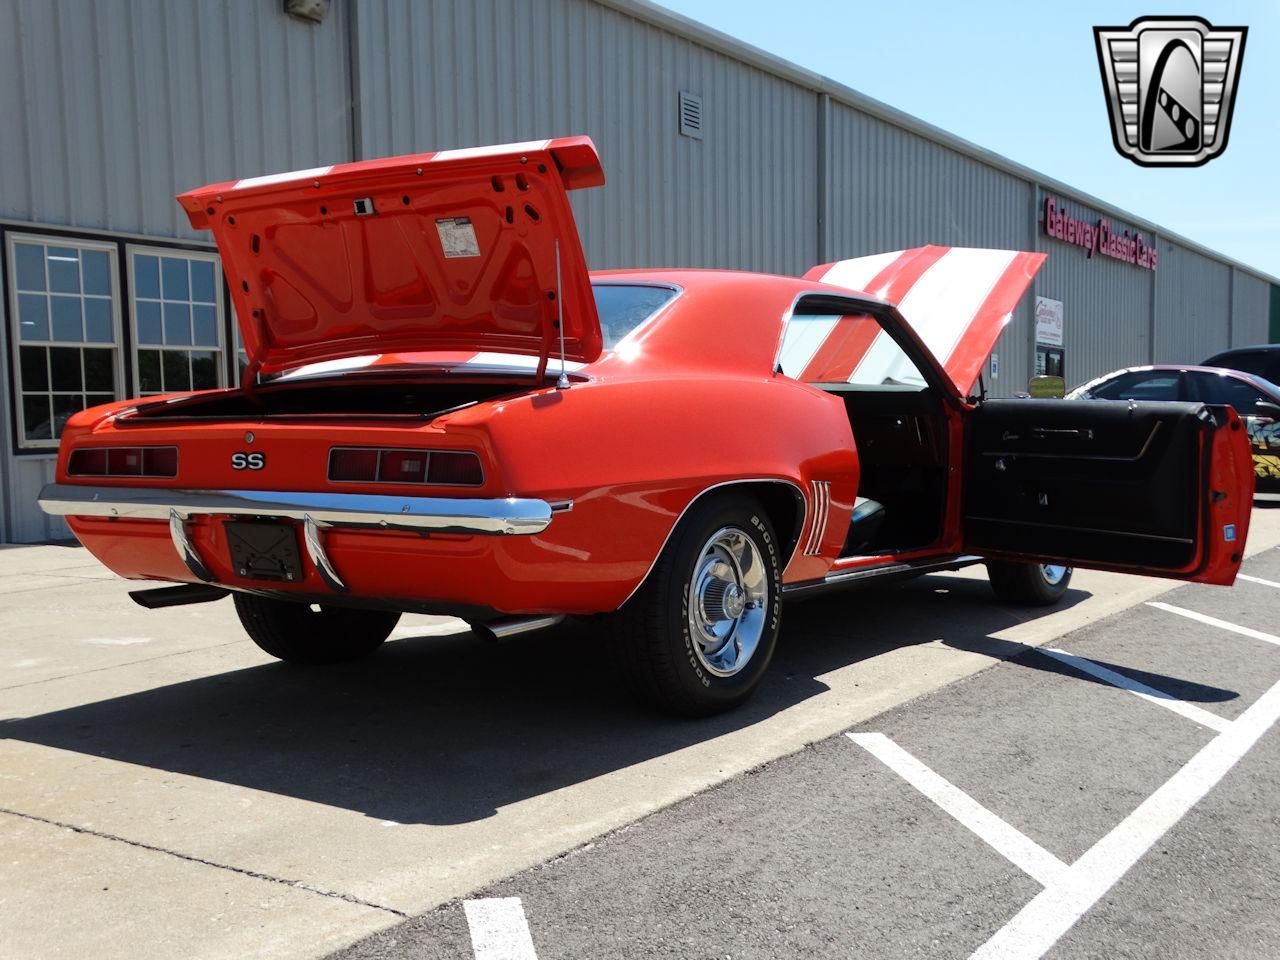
248	461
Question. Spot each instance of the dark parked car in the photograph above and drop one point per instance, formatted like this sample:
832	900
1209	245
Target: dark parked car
1262	360
1255	398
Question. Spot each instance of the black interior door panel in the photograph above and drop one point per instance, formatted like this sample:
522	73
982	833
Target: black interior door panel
1092	481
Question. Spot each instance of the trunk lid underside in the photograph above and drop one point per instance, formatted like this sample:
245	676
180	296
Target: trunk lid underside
471	249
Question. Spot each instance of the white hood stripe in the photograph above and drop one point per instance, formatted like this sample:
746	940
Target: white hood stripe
282	177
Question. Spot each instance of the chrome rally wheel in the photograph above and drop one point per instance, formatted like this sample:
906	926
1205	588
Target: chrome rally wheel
1054	573
697	636
1029	584
728	601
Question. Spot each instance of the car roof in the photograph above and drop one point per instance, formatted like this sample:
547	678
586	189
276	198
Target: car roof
1253	378
1261	347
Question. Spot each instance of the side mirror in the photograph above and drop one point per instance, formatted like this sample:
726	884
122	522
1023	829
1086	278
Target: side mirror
1047	388
1264	408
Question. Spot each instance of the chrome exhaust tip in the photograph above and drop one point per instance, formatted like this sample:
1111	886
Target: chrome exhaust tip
495	630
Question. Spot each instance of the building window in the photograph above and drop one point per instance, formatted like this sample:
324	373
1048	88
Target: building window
177	320
64	312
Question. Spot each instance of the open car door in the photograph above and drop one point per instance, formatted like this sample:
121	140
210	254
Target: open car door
1163	489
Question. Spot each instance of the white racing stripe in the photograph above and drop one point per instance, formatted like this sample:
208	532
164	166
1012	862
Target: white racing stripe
494	150
801	339
1043	921
499	930
943	302
1265	583
1215	622
939	307
856	274
1151	694
270	178
1019	849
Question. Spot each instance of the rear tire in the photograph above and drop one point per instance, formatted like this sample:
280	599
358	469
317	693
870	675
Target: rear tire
697	636
1028	584
296	633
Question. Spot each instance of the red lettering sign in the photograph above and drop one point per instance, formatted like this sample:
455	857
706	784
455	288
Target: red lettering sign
1098	237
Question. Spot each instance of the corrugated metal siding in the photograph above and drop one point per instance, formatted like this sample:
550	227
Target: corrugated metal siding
1106	302
890	189
117	105
456	74
30	524
1193	305
1250	309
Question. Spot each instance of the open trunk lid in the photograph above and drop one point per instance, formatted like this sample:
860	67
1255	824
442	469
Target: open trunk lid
958	300
456	250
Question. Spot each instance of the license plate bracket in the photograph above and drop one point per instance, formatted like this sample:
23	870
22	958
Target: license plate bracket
264	550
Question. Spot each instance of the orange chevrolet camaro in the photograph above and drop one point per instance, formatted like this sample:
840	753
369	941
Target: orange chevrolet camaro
444	412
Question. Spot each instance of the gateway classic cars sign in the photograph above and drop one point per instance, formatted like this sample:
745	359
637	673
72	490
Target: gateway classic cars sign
1098	237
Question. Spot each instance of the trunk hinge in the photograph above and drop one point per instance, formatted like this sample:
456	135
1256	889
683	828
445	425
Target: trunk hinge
548	335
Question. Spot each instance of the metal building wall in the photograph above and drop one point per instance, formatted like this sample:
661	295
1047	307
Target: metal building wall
1250	309
1193	306
114	106
449	74
890	189
1106	302
117	105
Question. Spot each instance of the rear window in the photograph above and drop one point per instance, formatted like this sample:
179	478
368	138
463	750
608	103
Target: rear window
624	306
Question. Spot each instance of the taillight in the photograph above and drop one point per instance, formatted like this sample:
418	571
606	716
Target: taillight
403	466
450	467
372	465
123	462
353	463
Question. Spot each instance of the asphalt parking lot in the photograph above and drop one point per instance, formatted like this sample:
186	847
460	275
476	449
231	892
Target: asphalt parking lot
167	790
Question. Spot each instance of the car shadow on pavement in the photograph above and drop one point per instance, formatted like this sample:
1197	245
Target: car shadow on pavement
446	729
1033	658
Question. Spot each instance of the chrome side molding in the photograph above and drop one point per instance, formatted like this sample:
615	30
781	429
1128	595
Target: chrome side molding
889	570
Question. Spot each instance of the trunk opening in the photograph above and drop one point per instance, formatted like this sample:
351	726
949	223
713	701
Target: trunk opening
419	400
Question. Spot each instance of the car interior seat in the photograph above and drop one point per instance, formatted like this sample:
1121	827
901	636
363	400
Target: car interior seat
864	524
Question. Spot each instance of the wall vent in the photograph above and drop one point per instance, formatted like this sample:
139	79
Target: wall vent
690	115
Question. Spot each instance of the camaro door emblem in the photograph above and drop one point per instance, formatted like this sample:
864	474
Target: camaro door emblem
248	461
1170	84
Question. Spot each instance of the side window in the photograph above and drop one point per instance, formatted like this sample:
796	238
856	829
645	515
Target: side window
850	348
1222	389
1140	385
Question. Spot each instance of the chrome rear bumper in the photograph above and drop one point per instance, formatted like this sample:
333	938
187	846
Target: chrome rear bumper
509	515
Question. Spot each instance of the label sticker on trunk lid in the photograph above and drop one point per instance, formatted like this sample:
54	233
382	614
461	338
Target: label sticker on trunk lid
457	237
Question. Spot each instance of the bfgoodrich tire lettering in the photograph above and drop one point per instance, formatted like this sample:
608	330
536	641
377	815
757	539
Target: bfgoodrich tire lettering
298	634
722	542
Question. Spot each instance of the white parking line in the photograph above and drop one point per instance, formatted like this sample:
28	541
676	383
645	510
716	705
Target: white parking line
1265	583
499	930
1040	924
1181	707
1215	622
1019	849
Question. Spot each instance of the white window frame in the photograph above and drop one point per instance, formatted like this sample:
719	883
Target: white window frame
116	345
176	253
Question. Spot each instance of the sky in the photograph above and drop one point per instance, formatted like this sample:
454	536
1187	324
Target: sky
1022	79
